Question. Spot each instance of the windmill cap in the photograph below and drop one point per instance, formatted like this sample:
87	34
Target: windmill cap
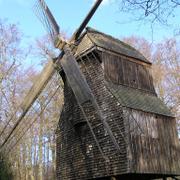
95	38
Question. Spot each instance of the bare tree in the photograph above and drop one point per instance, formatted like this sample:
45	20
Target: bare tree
154	11
167	59
11	56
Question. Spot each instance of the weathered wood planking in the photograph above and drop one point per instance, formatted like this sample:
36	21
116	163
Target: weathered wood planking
121	70
38	86
156	149
75	78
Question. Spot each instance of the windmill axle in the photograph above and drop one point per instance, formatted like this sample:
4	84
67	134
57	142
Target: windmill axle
59	42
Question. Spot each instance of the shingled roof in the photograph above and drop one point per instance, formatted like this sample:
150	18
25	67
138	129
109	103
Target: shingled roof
92	39
136	99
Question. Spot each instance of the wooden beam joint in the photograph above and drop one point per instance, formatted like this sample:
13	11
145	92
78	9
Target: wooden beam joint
59	42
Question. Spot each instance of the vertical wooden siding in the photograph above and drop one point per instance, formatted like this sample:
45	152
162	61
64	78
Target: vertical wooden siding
154	146
120	70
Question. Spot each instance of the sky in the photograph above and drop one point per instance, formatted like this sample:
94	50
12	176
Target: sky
70	13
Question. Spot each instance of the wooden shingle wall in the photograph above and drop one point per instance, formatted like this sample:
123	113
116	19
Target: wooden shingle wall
77	154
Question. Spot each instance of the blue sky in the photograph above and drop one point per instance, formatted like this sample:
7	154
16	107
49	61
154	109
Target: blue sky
69	14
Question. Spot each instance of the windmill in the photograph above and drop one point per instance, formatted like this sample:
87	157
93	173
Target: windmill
112	124
108	137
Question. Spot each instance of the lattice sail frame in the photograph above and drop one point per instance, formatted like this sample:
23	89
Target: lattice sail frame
53	90
47	19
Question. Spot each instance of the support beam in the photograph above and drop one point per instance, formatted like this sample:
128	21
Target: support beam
86	20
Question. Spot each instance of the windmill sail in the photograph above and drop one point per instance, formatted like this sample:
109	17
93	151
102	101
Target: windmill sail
31	97
74	75
86	20
45	16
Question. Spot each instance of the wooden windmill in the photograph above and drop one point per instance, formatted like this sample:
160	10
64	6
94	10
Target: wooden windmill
112	125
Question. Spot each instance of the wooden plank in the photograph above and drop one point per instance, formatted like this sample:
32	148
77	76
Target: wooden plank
143	78
126	72
113	68
86	21
75	78
132	74
38	86
138	61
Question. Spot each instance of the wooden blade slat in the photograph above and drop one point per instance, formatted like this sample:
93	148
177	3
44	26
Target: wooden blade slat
46	17
75	77
39	85
51	17
78	32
